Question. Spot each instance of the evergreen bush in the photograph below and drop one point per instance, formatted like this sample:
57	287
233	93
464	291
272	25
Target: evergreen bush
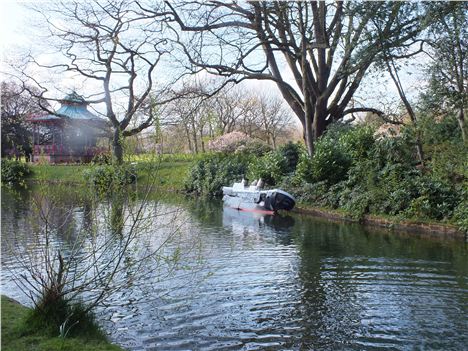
213	171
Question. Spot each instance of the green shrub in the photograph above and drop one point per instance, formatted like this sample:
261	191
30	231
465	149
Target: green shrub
335	152
254	148
303	172
330	163
460	213
102	159
63	318
357	142
352	171
14	172
109	177
449	161
213	171
272	167
435	200
397	150
439	131
291	152
355	201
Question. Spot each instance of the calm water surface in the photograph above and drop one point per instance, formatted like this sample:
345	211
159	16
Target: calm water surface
246	282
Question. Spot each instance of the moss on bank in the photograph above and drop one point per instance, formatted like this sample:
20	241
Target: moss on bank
17	337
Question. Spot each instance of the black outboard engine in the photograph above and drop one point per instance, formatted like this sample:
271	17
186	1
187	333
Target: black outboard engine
280	200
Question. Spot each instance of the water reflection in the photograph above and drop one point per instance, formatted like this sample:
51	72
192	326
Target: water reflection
255	220
269	282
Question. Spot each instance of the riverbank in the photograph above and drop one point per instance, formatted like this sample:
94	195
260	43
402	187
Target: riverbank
16	338
170	176
426	228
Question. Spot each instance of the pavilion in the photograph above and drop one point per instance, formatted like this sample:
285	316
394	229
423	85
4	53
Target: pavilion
71	134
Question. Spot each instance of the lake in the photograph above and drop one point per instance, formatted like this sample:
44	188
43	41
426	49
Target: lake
230	280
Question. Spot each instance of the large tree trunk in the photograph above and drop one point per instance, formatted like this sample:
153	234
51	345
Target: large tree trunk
318	124
117	146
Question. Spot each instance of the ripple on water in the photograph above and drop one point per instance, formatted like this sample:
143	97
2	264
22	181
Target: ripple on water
309	286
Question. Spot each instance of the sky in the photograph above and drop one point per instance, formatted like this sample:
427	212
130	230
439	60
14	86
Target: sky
16	32
13	21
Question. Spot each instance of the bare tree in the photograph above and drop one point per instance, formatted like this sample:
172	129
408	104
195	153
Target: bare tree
113	50
274	118
230	106
317	53
16	106
191	113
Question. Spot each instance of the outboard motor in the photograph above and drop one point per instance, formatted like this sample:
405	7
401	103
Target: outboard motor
279	200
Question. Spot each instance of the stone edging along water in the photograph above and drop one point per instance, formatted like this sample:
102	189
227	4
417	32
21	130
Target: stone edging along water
426	229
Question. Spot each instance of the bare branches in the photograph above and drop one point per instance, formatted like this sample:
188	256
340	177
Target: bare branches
112	48
327	48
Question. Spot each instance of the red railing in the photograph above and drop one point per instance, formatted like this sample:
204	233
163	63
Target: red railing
54	149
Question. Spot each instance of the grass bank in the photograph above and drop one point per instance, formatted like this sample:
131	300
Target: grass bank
167	175
16	337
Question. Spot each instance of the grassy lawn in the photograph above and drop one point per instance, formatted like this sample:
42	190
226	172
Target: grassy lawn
59	173
14	337
166	174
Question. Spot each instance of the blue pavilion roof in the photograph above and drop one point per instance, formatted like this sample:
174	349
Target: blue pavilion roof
74	107
75	112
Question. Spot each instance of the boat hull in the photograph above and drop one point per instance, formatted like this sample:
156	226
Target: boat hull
268	201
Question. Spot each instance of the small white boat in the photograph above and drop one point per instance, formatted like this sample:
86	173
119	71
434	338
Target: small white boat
252	198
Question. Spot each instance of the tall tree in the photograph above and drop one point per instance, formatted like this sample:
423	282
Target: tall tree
448	39
317	53
116	51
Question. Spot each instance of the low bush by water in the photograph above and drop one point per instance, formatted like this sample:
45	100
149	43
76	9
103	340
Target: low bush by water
14	172
21	332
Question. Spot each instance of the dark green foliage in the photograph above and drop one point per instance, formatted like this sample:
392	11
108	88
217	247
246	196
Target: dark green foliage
106	178
335	152
443	131
272	167
382	177
397	150
213	171
460	213
435	200
357	141
448	158
14	172
62	317
291	152
277	164
254	148
330	162
312	193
